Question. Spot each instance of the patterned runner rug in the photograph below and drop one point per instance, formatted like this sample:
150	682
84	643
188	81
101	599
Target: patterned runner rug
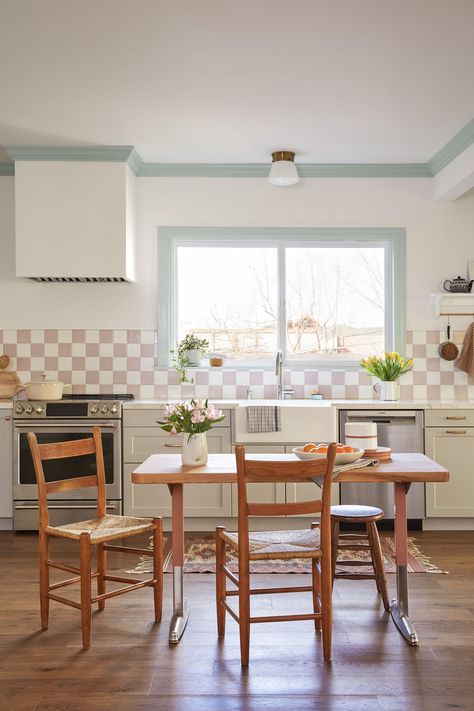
200	558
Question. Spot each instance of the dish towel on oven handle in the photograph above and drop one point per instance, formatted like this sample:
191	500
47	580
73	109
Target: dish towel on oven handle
359	464
263	418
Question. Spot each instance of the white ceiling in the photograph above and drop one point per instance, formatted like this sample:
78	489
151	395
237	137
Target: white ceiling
230	81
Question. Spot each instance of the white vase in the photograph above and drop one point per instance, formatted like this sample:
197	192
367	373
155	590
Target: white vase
194	450
389	390
193	357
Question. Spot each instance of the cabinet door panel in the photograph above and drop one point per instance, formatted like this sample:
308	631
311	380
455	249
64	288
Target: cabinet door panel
200	500
453	448
261	493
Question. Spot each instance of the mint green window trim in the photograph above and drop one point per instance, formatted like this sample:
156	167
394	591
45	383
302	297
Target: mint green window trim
393	239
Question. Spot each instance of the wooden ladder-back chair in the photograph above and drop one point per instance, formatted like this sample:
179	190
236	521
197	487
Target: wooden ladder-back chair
94	532
314	544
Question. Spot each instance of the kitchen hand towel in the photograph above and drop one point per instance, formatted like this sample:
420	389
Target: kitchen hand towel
466	359
359	464
263	418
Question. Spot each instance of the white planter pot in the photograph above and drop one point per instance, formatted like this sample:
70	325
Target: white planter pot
194	450
193	357
387	390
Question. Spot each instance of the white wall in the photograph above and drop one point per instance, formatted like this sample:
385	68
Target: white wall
440	241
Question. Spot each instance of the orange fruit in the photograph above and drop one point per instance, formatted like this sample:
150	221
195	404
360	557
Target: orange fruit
309	447
348	449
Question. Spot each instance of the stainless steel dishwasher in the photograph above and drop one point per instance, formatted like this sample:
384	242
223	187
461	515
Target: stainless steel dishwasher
402	430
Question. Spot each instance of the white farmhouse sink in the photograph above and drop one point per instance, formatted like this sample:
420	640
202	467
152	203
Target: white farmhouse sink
303	421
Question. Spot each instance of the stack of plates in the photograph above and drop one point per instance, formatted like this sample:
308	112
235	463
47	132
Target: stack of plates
381	453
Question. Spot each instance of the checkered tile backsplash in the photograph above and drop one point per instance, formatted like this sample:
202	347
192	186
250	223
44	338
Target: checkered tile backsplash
118	361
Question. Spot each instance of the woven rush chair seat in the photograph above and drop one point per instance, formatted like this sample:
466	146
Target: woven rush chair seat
105	528
356	511
265	545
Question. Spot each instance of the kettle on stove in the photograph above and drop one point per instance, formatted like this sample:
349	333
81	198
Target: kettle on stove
458	285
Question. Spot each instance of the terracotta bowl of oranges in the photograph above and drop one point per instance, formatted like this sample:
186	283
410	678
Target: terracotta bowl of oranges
344	453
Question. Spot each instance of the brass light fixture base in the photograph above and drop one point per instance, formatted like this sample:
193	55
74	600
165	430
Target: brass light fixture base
283	155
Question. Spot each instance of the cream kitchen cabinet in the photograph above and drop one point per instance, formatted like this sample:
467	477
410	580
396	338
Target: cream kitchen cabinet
6	469
142	437
453	448
262	493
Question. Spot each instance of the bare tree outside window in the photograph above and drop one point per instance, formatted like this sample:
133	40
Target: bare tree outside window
335	300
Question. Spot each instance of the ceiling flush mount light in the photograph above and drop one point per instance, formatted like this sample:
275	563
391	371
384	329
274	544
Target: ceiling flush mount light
283	171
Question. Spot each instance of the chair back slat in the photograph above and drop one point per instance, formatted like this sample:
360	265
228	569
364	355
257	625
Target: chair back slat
290	509
78	482
65	450
258	471
73	448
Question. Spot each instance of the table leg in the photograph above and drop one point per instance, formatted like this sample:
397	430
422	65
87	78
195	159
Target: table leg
399	606
180	606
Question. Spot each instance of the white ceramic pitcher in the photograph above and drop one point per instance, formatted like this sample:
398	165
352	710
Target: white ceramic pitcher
194	450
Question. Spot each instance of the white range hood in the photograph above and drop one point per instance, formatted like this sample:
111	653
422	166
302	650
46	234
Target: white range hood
75	221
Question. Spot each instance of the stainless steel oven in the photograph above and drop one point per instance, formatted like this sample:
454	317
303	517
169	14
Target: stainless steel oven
58	422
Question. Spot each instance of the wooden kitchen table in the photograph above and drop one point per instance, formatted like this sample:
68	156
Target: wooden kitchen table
401	471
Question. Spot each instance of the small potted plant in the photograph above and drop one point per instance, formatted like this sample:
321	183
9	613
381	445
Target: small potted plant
194	418
188	354
389	370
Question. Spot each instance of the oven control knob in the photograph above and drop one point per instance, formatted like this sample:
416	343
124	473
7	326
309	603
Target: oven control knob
29	409
39	409
19	409
104	409
93	409
114	409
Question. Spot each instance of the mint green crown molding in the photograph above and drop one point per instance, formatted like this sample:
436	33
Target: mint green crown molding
126	154
305	170
458	143
7	168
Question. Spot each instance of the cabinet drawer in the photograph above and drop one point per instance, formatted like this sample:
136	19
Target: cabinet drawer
451	418
148	418
141	442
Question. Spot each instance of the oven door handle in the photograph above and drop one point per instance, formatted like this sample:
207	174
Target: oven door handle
32	507
33	425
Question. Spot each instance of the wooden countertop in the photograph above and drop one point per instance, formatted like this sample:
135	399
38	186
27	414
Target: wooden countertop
221	468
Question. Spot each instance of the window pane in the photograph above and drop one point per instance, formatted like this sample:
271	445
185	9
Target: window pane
228	295
335	302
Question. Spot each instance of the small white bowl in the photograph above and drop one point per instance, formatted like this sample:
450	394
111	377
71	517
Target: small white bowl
341	458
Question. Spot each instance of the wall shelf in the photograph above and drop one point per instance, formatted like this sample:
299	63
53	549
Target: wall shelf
447	304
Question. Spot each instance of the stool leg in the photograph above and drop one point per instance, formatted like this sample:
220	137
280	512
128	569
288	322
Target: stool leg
334	545
377	559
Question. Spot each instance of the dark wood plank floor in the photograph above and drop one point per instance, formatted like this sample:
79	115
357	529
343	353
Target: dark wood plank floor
131	667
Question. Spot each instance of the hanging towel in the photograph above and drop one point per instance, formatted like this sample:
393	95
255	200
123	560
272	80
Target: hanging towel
466	359
359	464
263	418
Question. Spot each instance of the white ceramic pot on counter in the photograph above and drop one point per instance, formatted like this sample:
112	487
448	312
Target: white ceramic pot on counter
44	389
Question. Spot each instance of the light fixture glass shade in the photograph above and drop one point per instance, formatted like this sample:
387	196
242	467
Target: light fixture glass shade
283	171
